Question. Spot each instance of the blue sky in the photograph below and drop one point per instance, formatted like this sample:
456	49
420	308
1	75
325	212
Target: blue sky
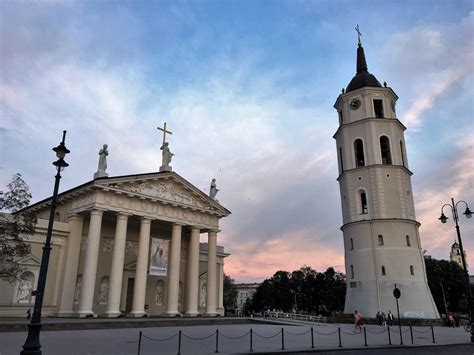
247	89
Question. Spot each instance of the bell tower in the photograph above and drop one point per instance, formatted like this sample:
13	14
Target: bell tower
381	239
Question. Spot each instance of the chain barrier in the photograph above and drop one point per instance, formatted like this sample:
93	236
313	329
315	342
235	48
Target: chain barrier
204	338
233	338
266	337
281	332
296	334
153	339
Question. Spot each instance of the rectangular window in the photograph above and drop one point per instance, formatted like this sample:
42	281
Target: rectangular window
340	118
380	239
352	271
378	108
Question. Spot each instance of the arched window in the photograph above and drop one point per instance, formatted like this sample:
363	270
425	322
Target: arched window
359	153
383	270
408	241
412	271
385	150
363	203
380	239
340	159
402	154
352	244
352	271
378	108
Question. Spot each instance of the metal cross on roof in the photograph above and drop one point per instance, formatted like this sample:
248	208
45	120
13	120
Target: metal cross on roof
164	132
359	34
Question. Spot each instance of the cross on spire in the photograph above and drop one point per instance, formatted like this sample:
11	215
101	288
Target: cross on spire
359	34
164	132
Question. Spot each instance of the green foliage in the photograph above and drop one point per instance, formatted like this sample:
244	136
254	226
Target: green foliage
14	226
452	276
304	290
230	293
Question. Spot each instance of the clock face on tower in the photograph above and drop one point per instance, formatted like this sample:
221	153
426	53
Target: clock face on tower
355	104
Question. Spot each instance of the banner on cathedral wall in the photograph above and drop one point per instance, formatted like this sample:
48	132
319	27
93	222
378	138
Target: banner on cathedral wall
159	257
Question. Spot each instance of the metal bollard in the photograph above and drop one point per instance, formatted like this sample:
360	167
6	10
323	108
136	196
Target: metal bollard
217	341
389	337
432	333
179	343
312	338
139	342
411	334
282	339
339	334
251	340
365	336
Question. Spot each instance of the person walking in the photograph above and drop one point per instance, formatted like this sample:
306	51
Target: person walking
390	318
379	319
357	322
28	313
384	317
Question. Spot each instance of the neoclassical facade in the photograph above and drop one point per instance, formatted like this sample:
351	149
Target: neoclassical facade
381	237
126	245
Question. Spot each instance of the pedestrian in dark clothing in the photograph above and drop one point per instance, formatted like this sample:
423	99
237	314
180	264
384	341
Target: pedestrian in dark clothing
390	318
28	313
379	318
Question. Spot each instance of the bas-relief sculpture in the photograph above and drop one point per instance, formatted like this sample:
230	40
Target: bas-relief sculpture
77	290
159	291
103	290
24	288
202	296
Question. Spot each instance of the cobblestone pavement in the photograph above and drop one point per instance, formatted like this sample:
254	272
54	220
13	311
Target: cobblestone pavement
235	339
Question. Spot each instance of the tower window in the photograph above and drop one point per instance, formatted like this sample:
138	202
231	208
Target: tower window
359	153
383	270
352	271
408	241
412	270
363	203
340	159
401	153
352	243
378	108
385	150
380	239
340	118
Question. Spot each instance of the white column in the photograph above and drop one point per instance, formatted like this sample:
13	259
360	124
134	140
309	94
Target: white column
73	250
220	305
90	264
141	272
192	295
173	271
211	293
116	272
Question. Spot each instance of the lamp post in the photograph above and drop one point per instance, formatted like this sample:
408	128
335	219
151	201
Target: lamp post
453	206
32	344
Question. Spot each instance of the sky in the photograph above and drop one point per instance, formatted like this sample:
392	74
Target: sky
247	88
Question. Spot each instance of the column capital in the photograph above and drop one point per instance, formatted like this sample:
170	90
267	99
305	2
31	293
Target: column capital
98	211
145	220
213	231
123	215
194	228
178	224
75	217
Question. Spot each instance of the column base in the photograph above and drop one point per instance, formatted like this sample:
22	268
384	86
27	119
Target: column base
191	314
136	315
173	314
210	314
112	314
65	314
86	314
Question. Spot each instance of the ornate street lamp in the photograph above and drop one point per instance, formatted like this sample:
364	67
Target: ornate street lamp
453	206
32	344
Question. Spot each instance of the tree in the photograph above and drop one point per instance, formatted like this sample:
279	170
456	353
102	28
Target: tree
14	225
451	275
230	293
305	289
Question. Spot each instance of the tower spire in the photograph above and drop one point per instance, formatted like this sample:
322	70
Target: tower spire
361	62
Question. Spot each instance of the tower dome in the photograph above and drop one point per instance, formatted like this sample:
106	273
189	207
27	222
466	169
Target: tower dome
362	77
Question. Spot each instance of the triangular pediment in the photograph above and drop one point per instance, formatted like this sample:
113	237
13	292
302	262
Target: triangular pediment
164	187
30	260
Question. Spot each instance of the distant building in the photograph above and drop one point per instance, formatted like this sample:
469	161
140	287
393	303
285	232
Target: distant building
245	292
455	255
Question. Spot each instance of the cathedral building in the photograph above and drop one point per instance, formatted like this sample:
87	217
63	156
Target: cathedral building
126	246
381	238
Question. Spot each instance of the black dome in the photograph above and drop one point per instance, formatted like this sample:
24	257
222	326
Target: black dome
363	77
361	80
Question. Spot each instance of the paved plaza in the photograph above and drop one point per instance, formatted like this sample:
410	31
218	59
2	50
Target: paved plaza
234	339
